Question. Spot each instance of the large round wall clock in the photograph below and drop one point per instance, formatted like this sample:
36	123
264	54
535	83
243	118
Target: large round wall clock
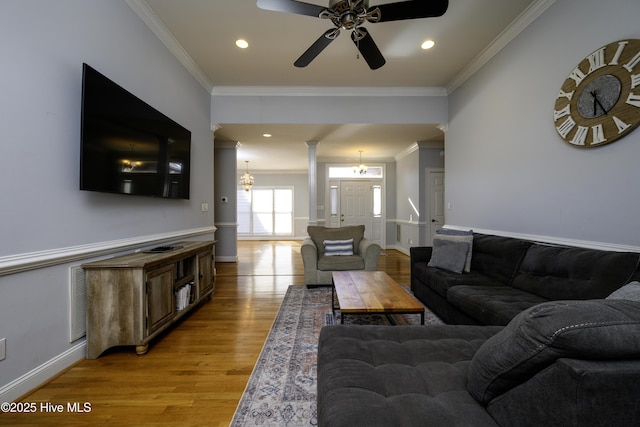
599	102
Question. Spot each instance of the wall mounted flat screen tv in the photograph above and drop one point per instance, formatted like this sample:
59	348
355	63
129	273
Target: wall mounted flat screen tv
128	147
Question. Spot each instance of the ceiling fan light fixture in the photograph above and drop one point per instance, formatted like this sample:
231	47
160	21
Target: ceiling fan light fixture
351	15
427	44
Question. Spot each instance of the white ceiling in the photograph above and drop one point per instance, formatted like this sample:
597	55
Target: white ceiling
202	34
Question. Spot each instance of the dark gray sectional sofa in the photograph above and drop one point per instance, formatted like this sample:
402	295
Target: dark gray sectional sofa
571	363
569	354
510	275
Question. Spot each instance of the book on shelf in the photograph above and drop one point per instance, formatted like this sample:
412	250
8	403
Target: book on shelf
185	295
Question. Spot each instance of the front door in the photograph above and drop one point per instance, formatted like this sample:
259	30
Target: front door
356	205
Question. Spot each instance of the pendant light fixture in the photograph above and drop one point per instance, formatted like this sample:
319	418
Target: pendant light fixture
246	180
361	168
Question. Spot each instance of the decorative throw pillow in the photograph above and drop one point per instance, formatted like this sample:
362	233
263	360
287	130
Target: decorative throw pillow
338	247
458	236
449	255
319	234
453	232
535	338
630	291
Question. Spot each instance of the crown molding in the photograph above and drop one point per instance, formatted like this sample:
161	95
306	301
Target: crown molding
404	153
227	144
416	146
148	16
430	144
523	20
326	91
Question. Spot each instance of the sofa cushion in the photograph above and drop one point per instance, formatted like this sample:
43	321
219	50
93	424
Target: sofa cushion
340	263
574	392
492	305
533	340
630	291
497	257
319	234
338	247
400	376
450	255
558	273
441	281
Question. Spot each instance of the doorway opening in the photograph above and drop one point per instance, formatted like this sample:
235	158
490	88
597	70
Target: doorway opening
354	199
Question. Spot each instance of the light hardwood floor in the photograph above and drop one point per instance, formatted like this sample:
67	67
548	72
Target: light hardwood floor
195	373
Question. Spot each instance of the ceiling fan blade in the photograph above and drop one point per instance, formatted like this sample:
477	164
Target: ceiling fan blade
291	6
412	9
317	47
368	48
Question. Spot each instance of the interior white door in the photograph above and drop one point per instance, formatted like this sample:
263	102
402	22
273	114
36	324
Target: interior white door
356	204
436	203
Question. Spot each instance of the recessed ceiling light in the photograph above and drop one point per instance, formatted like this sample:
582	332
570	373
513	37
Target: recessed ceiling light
428	44
267	135
242	44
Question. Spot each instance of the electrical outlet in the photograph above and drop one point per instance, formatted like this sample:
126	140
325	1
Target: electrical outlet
3	348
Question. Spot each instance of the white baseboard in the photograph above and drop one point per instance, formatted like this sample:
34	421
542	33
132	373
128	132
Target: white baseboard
43	373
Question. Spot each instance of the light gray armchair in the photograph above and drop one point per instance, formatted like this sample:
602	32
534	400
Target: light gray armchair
318	264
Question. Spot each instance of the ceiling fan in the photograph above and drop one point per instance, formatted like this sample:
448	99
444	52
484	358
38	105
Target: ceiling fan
350	15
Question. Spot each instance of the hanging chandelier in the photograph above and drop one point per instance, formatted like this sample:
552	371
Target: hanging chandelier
361	168
246	180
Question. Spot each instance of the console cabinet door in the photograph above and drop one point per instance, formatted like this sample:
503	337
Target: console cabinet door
205	273
160	305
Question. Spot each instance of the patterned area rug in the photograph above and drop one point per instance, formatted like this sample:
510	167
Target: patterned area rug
282	388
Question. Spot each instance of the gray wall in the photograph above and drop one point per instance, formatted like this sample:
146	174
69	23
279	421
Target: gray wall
508	170
46	223
410	228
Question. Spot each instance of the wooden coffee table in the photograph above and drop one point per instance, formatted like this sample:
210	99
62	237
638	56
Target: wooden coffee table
367	292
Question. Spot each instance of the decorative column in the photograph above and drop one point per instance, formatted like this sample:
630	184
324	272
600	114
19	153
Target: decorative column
226	200
313	182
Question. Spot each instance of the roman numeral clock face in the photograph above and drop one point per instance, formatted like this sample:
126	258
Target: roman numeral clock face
599	102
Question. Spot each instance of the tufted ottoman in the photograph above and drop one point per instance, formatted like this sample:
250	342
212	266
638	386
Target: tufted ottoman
368	376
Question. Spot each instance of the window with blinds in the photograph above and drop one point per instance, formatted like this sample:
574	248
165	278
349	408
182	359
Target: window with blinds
265	211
